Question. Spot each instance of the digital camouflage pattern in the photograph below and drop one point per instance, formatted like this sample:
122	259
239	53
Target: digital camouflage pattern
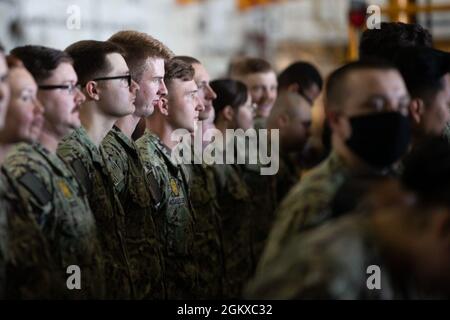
27	268
287	177
61	210
307	204
263	196
176	219
141	236
86	161
209	246
329	262
235	212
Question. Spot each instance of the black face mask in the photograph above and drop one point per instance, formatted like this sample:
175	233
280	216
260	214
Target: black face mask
380	139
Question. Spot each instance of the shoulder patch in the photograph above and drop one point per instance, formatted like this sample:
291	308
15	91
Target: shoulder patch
36	187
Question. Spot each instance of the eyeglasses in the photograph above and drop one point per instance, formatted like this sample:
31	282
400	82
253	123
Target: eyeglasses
69	87
126	77
308	99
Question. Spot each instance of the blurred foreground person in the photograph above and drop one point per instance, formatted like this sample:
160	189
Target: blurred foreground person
397	248
27	269
58	202
367	109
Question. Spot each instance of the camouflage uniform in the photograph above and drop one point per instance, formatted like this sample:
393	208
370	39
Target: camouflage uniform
329	262
176	219
307	204
235	212
209	246
287	176
86	160
28	269
142	239
263	193
61	210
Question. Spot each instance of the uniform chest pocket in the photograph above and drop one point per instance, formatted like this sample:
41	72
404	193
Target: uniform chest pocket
179	232
237	188
199	192
139	191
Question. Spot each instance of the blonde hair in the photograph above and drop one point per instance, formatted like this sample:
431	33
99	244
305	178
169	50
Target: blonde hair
138	47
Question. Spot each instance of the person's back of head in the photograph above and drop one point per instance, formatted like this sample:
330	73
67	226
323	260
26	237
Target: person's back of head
303	78
291	115
427	171
232	93
422	69
232	104
382	43
426	72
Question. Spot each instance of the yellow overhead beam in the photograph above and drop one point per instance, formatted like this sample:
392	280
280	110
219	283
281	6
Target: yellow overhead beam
247	4
413	9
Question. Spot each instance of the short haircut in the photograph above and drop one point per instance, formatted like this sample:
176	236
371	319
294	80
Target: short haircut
249	65
41	61
229	92
336	89
188	59
382	43
423	70
89	57
178	69
14	62
302	73
427	171
138	47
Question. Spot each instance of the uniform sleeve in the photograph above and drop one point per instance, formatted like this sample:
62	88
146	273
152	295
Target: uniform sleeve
307	269
34	184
